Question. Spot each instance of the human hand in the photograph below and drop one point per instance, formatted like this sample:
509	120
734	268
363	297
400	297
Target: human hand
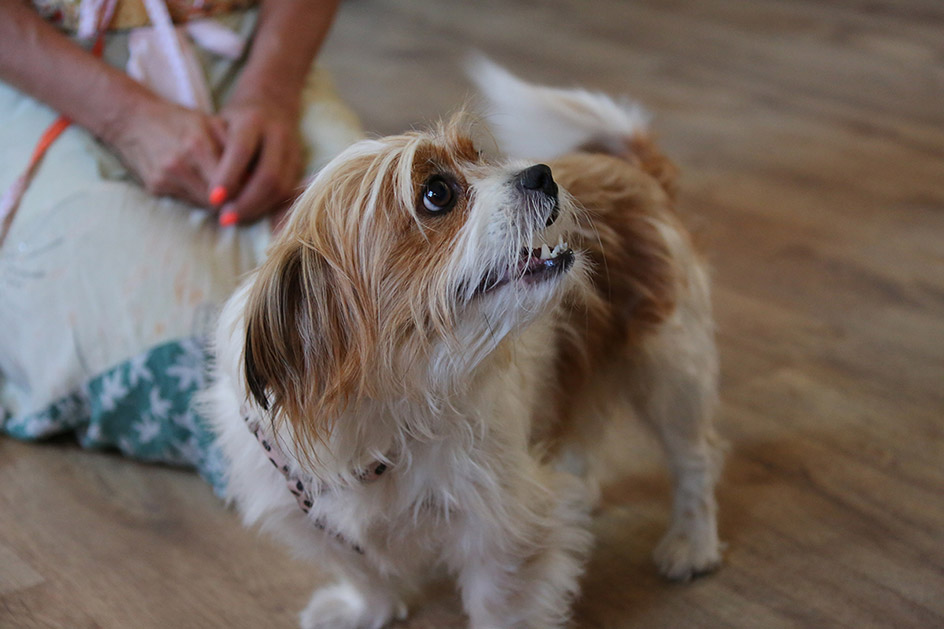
260	167
173	150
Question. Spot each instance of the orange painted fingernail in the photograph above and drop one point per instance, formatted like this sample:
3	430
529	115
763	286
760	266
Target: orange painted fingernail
218	195
228	218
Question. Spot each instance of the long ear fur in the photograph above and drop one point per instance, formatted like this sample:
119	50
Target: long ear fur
300	358
272	354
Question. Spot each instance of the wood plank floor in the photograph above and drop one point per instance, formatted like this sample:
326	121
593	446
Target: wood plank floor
811	140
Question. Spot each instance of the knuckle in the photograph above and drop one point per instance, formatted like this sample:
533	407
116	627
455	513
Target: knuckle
192	145
172	164
157	185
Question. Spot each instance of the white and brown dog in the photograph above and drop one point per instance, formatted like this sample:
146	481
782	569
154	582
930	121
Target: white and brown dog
435	331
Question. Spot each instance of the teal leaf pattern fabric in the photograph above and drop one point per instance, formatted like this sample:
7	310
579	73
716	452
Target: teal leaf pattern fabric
144	407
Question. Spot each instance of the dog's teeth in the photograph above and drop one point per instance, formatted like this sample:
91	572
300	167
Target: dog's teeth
560	242
545	252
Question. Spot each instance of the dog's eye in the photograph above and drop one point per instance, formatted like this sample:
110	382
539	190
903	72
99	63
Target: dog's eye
438	195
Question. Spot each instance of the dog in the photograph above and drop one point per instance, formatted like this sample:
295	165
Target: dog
412	378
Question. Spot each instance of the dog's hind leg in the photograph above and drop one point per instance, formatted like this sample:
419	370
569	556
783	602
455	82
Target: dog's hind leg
674	389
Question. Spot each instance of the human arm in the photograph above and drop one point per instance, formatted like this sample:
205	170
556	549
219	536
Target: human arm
262	156
172	150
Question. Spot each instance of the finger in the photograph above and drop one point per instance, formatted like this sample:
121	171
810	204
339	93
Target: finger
228	217
204	157
192	183
240	148
197	187
219	128
182	183
268	185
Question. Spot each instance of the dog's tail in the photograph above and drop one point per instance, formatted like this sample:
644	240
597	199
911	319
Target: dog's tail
539	122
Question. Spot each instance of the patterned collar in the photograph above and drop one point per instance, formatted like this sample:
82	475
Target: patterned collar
306	492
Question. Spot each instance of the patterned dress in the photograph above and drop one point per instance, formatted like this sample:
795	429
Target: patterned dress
131	13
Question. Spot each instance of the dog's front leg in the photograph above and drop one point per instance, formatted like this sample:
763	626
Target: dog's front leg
521	555
360	599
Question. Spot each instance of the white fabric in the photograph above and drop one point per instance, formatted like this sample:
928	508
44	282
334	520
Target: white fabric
210	35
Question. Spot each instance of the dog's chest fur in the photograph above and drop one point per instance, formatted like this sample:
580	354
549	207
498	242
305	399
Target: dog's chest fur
406	517
481	438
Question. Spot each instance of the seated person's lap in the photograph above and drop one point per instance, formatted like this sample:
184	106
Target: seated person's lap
108	292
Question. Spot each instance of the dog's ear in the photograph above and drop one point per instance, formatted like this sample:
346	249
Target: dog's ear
300	357
273	358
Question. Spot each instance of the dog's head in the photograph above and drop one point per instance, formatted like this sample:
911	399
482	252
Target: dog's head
403	265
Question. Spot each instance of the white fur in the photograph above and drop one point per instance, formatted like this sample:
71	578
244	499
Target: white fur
470	498
465	491
535	121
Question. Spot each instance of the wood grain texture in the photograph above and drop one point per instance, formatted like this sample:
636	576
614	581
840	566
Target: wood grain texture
811	141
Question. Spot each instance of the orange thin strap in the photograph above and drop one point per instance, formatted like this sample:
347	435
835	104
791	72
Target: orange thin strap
49	136
10	198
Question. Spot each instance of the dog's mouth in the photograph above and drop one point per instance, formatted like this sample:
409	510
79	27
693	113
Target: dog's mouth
534	266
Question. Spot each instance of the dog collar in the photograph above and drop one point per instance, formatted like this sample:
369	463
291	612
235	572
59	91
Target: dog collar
306	490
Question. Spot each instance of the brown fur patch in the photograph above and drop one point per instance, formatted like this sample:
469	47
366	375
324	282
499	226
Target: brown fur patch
635	281
653	161
644	153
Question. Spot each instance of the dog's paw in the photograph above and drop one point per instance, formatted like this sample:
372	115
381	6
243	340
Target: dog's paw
341	606
681	556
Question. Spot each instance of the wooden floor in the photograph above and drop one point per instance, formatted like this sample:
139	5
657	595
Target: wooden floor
811	138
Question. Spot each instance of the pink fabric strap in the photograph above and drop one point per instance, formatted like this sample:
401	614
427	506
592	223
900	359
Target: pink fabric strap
94	17
177	60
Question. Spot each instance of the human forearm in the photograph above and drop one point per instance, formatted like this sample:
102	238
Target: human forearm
261	163
42	62
170	149
289	35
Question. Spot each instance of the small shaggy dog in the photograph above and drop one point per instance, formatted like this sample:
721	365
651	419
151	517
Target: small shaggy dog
409	380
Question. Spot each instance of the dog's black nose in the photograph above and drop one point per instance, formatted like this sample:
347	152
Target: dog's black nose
538	177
